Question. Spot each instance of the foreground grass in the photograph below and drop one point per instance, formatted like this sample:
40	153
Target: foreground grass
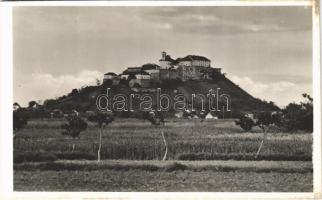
43	161
170	176
156	181
187	140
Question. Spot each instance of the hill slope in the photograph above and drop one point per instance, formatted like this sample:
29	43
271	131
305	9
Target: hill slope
85	98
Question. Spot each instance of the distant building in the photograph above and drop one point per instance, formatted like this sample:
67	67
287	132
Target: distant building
211	116
210	73
140	79
130	73
109	75
153	70
190	67
194	61
167	74
166	61
133	69
111	78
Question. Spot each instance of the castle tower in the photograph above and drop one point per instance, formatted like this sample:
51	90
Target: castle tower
165	61
163	55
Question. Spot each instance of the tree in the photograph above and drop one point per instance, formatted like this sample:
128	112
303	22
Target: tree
157	118
299	116
246	123
31	104
264	120
101	119
98	82
19	121
74	126
74	92
16	106
49	103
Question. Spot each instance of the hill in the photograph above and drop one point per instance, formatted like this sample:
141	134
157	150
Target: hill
84	99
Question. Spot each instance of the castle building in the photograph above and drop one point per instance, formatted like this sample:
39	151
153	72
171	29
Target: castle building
190	67
153	70
111	78
141	79
194	61
170	73
166	61
130	73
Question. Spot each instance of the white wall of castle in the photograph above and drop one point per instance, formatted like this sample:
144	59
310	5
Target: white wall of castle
142	76
106	76
152	71
165	64
185	63
124	76
202	63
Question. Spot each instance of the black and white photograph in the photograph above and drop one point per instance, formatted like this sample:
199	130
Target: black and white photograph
166	98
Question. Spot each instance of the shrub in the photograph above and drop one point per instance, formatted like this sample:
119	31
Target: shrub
245	123
74	126
175	167
19	120
299	116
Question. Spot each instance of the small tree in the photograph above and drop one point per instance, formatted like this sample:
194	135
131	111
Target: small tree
299	116
157	118
74	127
101	119
98	82
31	104
264	121
74	92
19	121
245	122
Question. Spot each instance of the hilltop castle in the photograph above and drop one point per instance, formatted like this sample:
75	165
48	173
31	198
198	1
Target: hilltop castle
190	67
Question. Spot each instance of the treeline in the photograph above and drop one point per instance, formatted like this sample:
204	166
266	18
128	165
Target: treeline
295	116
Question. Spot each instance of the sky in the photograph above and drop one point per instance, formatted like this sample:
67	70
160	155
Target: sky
265	50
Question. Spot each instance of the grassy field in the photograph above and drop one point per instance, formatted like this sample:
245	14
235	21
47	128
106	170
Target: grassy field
132	150
133	139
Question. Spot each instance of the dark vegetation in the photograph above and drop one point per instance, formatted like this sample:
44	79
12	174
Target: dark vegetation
156	118
84	99
292	118
248	156
74	126
19	120
168	167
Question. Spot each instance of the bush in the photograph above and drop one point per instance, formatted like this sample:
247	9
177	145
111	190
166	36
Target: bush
175	167
245	123
19	120
299	116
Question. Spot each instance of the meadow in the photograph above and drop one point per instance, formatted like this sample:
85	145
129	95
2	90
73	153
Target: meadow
214	148
134	139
